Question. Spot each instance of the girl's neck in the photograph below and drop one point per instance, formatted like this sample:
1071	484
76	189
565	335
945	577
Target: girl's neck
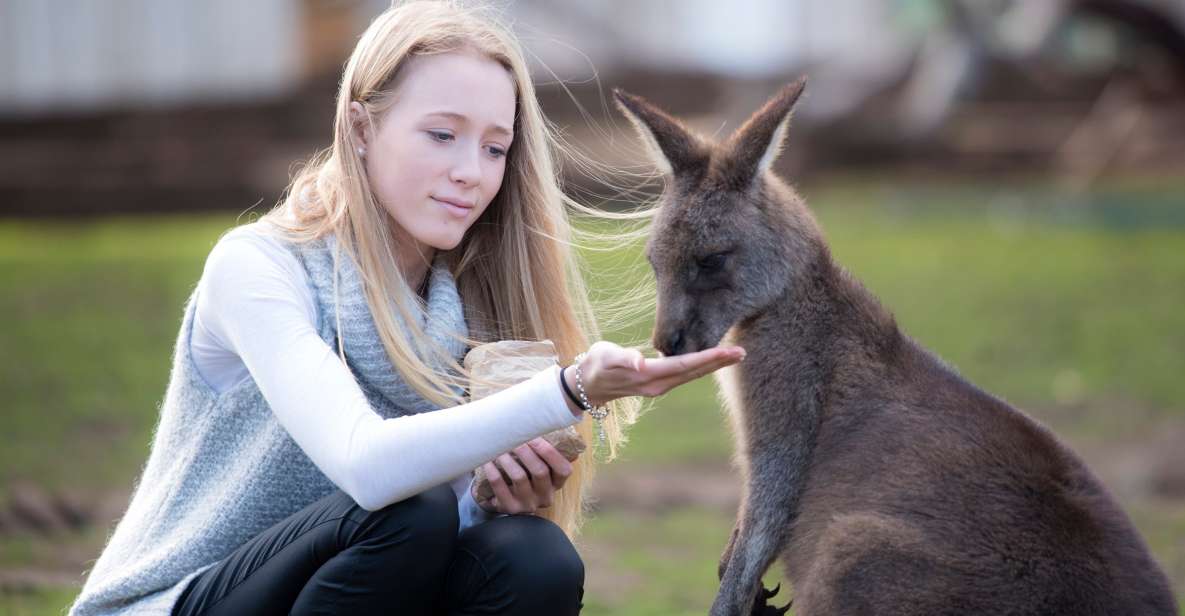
422	286
414	260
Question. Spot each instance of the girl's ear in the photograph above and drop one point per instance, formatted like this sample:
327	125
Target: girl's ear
359	127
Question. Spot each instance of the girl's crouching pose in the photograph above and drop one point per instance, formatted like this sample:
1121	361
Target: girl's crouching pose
314	451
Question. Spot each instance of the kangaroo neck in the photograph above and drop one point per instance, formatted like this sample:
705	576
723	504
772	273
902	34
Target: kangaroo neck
824	329
799	326
830	311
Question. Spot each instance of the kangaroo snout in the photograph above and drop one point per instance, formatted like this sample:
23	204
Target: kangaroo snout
676	325
669	341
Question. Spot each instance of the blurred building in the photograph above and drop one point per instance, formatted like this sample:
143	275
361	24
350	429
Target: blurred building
81	56
137	105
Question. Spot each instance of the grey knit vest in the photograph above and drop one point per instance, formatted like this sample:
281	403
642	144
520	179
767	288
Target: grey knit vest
222	469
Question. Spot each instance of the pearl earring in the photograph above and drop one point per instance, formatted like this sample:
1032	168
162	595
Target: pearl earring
361	151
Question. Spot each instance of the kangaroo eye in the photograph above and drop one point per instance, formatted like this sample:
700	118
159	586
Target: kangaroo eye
711	263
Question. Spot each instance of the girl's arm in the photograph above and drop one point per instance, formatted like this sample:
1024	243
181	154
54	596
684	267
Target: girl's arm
261	312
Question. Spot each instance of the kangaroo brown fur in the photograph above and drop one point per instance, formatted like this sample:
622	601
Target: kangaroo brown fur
884	481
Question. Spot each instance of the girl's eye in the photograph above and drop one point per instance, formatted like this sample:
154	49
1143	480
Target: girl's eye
496	151
441	136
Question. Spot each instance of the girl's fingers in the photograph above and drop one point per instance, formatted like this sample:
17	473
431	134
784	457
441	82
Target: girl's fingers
535	466
637	360
520	483
559	466
631	359
665	367
502	497
540	474
610	356
664	385
514	473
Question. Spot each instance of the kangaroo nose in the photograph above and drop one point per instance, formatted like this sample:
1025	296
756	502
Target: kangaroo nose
673	344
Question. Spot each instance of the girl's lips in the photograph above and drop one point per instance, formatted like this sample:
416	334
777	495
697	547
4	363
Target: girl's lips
453	208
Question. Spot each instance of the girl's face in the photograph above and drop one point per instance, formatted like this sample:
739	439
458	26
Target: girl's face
438	156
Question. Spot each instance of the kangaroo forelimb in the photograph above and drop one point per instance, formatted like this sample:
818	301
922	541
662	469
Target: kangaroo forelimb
754	550
760	535
732	539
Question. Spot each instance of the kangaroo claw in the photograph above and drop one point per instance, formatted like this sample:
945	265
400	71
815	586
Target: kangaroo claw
761	606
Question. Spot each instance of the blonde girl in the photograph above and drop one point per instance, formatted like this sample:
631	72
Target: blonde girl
315	450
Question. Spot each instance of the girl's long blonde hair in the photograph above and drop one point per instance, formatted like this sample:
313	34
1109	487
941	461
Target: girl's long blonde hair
515	268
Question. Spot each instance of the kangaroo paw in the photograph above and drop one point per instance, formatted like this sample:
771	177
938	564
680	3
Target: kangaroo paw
761	606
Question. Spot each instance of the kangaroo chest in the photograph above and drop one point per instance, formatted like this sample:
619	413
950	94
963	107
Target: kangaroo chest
728	382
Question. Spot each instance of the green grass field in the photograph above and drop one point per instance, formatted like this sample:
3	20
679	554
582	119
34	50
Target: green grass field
1068	307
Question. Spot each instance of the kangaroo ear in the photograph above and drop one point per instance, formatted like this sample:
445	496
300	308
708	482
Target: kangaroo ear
674	148
755	146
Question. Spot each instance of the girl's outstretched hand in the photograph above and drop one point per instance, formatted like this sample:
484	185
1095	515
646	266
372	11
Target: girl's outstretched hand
611	371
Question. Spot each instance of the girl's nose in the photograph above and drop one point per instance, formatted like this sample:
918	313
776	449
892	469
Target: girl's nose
466	170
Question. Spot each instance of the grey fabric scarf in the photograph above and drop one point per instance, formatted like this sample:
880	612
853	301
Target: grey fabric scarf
365	354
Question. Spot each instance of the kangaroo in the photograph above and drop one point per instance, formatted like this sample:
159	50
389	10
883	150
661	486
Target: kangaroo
883	481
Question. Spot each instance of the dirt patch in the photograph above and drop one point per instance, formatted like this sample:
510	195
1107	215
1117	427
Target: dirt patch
1139	467
656	489
57	535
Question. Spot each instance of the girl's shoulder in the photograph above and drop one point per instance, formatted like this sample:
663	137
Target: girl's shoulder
260	234
253	250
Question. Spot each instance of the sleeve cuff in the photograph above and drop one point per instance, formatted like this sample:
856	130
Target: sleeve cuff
471	514
557	399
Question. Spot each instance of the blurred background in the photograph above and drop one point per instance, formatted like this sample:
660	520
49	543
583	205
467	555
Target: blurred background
1008	176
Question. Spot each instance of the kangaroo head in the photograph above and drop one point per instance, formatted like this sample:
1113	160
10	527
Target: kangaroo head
728	235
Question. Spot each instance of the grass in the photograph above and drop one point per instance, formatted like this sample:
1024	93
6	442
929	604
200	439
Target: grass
93	308
1048	301
1020	303
47	601
643	548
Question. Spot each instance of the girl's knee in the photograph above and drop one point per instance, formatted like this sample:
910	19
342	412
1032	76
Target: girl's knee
554	553
532	554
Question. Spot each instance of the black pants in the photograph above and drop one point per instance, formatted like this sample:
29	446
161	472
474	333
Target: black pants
333	557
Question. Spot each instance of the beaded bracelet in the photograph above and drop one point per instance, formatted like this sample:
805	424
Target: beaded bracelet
599	413
567	390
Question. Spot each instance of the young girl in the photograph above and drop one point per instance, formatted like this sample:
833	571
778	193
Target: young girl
314	451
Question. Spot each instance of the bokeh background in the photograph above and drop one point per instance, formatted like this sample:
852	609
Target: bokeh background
1008	176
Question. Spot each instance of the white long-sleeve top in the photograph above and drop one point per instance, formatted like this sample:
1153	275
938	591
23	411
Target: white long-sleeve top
255	318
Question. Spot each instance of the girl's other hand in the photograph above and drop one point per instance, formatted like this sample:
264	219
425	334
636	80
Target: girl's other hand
528	480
